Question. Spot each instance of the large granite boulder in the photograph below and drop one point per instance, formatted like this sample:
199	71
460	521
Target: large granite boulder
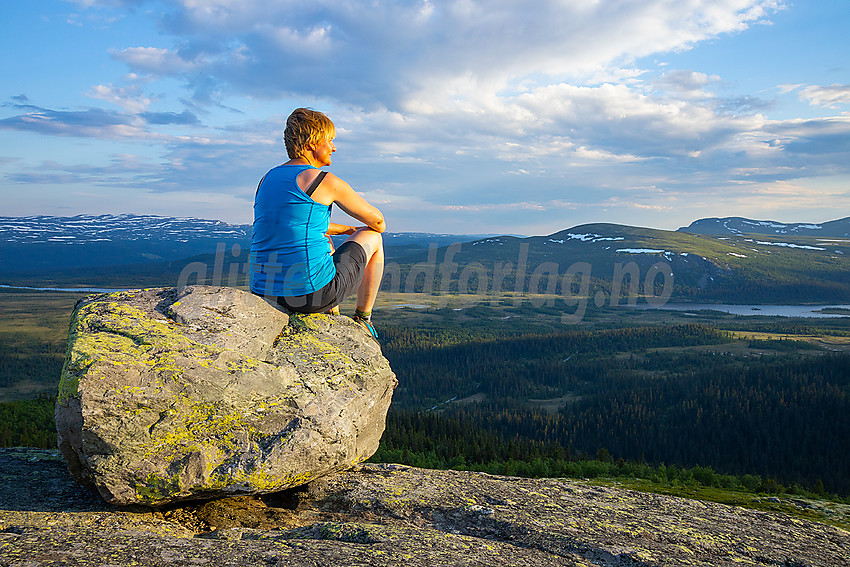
200	392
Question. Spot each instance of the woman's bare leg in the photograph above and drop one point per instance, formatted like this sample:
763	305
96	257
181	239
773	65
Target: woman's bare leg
373	245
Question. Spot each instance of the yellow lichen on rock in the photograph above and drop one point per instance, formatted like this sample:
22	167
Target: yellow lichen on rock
196	423
170	393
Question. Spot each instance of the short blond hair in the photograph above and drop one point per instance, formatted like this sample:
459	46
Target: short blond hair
306	126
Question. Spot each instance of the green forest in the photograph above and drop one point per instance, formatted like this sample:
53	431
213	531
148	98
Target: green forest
735	403
28	423
646	395
24	359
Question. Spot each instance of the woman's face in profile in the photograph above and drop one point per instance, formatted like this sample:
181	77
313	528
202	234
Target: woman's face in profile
323	150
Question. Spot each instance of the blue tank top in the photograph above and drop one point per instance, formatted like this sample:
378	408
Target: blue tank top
290	254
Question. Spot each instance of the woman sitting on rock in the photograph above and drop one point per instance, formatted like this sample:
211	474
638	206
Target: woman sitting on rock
292	258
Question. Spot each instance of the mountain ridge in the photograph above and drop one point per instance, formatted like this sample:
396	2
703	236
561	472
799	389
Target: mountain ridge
83	228
43	242
97	228
739	225
733	268
808	264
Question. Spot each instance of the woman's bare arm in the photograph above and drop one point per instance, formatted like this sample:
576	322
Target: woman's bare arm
336	228
335	190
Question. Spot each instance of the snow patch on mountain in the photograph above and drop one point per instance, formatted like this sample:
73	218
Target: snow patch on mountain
785	244
586	237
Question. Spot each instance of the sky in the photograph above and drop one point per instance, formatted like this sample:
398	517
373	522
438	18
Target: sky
459	117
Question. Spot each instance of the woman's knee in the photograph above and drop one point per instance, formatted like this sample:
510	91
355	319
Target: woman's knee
370	240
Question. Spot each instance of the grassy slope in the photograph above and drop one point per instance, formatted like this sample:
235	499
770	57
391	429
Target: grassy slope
33	332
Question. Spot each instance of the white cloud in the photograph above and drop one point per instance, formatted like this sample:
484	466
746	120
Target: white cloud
129	98
466	78
687	84
92	122
414	55
158	61
453	105
832	96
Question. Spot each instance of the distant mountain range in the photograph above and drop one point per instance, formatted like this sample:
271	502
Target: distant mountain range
34	243
37	243
737	225
82	229
733	259
712	260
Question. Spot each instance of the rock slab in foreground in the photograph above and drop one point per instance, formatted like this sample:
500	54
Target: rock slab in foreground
388	515
170	395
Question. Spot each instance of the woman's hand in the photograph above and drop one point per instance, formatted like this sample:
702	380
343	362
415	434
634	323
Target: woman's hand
336	229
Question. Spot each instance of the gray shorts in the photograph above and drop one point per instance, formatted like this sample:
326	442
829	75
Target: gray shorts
350	263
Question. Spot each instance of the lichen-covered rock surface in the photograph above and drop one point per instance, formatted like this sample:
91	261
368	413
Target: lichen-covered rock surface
204	392
389	515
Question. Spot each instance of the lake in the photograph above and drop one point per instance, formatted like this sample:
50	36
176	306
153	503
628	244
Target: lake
71	289
745	310
752	310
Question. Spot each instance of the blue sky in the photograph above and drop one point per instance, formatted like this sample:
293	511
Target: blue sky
452	116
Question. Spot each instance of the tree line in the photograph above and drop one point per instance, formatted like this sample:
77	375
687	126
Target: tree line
638	394
428	440
657	396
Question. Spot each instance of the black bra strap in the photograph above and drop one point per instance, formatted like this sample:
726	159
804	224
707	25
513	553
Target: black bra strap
309	191
315	184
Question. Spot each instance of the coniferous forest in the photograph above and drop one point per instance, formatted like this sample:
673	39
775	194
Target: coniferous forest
722	403
651	396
